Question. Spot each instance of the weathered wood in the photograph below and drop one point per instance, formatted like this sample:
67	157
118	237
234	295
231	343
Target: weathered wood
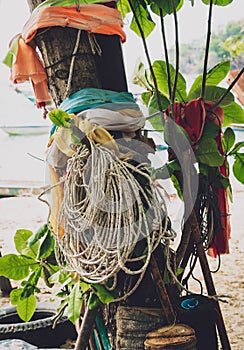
162	291
86	329
179	336
134	323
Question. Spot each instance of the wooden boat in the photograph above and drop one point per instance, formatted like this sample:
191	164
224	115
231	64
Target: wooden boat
26	130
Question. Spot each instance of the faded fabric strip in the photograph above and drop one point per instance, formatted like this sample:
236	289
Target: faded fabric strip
114	120
93	18
92	97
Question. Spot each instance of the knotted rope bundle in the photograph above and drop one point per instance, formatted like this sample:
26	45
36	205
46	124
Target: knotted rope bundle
109	205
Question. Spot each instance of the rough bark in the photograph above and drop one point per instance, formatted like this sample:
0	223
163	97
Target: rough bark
100	68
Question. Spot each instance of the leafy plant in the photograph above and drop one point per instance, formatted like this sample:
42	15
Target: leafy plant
36	260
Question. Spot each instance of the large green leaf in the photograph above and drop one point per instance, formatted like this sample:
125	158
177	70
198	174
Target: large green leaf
103	294
26	307
208	153
214	76
228	140
15	267
160	72
165	5
144	18
233	114
213	93
238	167
75	303
218	2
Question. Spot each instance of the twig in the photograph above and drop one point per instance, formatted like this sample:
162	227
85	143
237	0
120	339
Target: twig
227	91
177	53
204	76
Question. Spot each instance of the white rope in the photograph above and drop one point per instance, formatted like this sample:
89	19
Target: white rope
105	212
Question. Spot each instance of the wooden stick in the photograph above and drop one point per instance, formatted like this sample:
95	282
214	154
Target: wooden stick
86	329
209	284
162	291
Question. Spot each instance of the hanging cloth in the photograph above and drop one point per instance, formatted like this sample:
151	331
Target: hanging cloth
24	60
93	18
93	97
192	116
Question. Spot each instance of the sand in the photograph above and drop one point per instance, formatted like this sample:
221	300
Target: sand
29	213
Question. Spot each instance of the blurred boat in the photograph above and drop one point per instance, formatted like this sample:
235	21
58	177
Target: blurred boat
26	130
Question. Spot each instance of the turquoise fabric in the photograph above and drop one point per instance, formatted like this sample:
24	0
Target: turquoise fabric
92	97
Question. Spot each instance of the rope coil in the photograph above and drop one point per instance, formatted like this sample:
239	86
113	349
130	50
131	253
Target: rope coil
109	205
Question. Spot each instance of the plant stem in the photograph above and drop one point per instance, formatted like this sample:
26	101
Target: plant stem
147	54
227	90
165	52
204	76
177	53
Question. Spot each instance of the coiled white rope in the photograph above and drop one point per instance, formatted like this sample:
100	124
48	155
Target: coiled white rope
106	211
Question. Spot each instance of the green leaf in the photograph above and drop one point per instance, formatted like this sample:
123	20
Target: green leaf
238	167
159	68
74	303
15	295
15	267
236	148
124	7
233	114
145	96
103	294
177	186
26	307
38	235
141	77
153	104
84	286
166	6
213	93
93	301
167	170
208	153
46	247
21	238
60	117
218	2
144	18
214	76
228	139
210	130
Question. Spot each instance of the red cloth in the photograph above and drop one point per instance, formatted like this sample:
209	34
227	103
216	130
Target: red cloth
192	116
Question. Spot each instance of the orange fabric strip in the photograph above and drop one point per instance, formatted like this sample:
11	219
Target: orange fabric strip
93	18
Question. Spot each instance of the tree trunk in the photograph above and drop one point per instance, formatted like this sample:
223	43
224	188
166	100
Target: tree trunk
97	62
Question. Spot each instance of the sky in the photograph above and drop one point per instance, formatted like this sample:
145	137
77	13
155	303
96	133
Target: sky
192	24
